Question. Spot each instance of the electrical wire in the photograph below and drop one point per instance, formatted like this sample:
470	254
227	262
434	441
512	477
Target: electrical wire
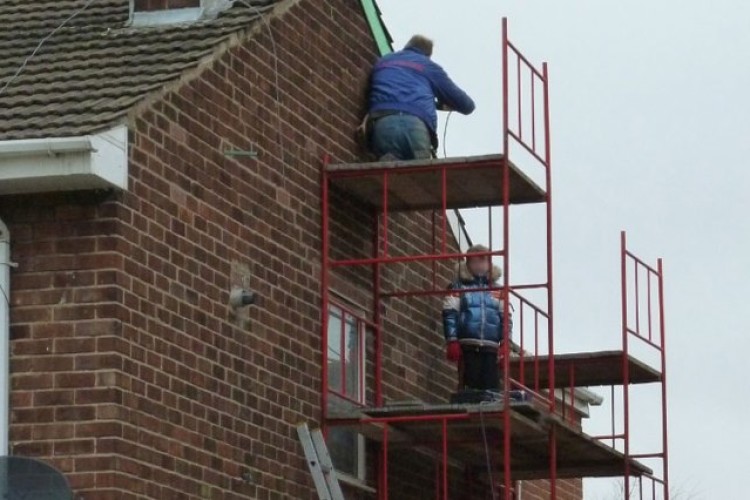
277	95
455	211
487	449
42	42
445	133
461	222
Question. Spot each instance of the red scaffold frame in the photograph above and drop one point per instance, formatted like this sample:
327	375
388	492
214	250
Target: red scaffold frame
654	337
540	150
529	102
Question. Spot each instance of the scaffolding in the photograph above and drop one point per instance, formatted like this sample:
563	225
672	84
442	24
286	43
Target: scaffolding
534	436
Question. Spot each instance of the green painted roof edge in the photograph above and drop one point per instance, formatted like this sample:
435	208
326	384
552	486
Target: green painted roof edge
377	26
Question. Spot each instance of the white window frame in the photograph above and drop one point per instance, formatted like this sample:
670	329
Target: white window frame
345	312
347	309
169	16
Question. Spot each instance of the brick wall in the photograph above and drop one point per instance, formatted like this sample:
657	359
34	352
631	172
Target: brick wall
129	371
539	490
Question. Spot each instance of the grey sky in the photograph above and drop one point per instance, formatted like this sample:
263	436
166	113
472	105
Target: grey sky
650	113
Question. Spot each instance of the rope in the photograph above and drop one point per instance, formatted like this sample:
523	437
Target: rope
487	449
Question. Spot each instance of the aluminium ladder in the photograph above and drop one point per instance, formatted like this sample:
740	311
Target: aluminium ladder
319	461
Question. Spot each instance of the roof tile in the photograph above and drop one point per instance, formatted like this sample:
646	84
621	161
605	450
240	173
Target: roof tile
89	74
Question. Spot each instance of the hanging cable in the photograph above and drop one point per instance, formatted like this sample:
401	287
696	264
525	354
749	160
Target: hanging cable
487	448
277	95
42	42
445	133
455	211
461	222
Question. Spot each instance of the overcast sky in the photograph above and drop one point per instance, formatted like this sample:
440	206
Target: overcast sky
650	124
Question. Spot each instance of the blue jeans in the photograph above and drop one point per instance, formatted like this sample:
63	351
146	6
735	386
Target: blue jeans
400	136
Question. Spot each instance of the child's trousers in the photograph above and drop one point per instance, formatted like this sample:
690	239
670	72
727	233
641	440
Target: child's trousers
480	368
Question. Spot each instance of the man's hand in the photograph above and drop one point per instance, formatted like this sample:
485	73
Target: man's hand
453	351
441	106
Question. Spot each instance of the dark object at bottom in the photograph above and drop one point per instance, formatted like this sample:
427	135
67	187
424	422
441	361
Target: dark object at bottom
28	478
473	397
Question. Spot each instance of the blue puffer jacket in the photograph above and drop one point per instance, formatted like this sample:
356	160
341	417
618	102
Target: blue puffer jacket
473	318
409	81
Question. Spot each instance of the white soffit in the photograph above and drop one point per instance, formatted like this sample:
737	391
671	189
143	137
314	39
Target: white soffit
97	161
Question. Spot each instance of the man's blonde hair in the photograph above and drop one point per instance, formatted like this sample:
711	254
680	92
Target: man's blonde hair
421	43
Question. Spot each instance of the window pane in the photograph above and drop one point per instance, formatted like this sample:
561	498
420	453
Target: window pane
343	446
352	359
334	350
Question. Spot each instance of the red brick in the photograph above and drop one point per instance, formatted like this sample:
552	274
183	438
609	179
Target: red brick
75	379
96	396
75	413
33	381
32	449
53	398
74	345
98	429
75	447
28	347
32	415
51	330
52	432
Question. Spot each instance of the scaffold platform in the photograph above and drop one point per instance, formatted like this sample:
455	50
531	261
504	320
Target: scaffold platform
469	427
470	181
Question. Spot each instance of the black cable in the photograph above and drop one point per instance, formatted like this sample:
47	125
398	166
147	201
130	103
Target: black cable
277	95
487	451
445	133
42	42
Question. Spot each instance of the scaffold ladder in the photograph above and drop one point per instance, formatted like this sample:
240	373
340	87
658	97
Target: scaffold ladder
320	464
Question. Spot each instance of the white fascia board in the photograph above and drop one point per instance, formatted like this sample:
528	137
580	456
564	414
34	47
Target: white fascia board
97	161
32	147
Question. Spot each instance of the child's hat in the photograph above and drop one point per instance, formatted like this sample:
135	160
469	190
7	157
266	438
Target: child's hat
477	249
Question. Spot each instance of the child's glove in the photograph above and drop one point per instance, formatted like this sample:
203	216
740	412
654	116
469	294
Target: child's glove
453	351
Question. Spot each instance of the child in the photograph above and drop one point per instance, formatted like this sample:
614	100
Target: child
473	322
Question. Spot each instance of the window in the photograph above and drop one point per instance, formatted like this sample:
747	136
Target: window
347	450
165	12
346	356
347	335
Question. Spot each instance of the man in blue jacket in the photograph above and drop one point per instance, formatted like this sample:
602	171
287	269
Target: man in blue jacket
406	89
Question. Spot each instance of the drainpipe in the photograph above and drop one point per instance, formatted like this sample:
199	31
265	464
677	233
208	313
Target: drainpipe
5	265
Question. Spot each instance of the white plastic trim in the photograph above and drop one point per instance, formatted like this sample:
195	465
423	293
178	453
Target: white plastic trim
97	161
4	337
